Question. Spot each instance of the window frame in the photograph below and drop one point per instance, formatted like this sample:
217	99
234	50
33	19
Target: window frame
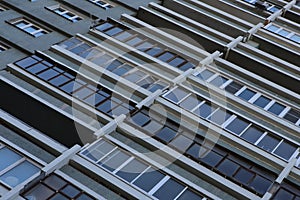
66	11
29	24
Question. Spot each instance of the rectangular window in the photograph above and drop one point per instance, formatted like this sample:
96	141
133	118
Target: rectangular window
283	32
29	27
3	47
102	4
65	13
55	187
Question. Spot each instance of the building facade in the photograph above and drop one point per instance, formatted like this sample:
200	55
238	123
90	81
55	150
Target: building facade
149	99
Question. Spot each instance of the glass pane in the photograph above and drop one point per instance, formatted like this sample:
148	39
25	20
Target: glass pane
132	170
181	143
99	150
55	182
149	179
123	36
26	62
94	99
60	80
39	192
169	190
189	195
113	65
220	116
285	150
140	119
296	38
244	176
59	197
8	157
70	191
177	95
166	134
247	94
154	51
37	68
262	101
237	125
114	31
273	28
46	75
293	116
71	86
268	143
16	175
134	41
177	61
233	87
211	158
31	29
283	194
252	134
144	46
104	26
190	102
111	163
83	93
206	74
276	108
166	56
186	66
122	70
228	167
284	33
260	184
204	110
218	81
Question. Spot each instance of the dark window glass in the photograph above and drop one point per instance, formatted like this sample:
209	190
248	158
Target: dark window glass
260	184
177	61
233	87
104	26
189	195
237	125
84	197
211	158
247	94
228	167
285	150
70	43
166	134
132	170
252	134
154	51
140	119
59	197
276	108
169	190
186	66
70	191
220	116
81	48
107	106
218	81
268	143
293	115
55	182
8	158
24	63
166	56
83	93
206	74
95	99
283	194
148	179
114	31
204	110
101	60
244	176
262	101
39	192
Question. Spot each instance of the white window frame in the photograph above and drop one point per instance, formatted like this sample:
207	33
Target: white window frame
54	8
106	6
